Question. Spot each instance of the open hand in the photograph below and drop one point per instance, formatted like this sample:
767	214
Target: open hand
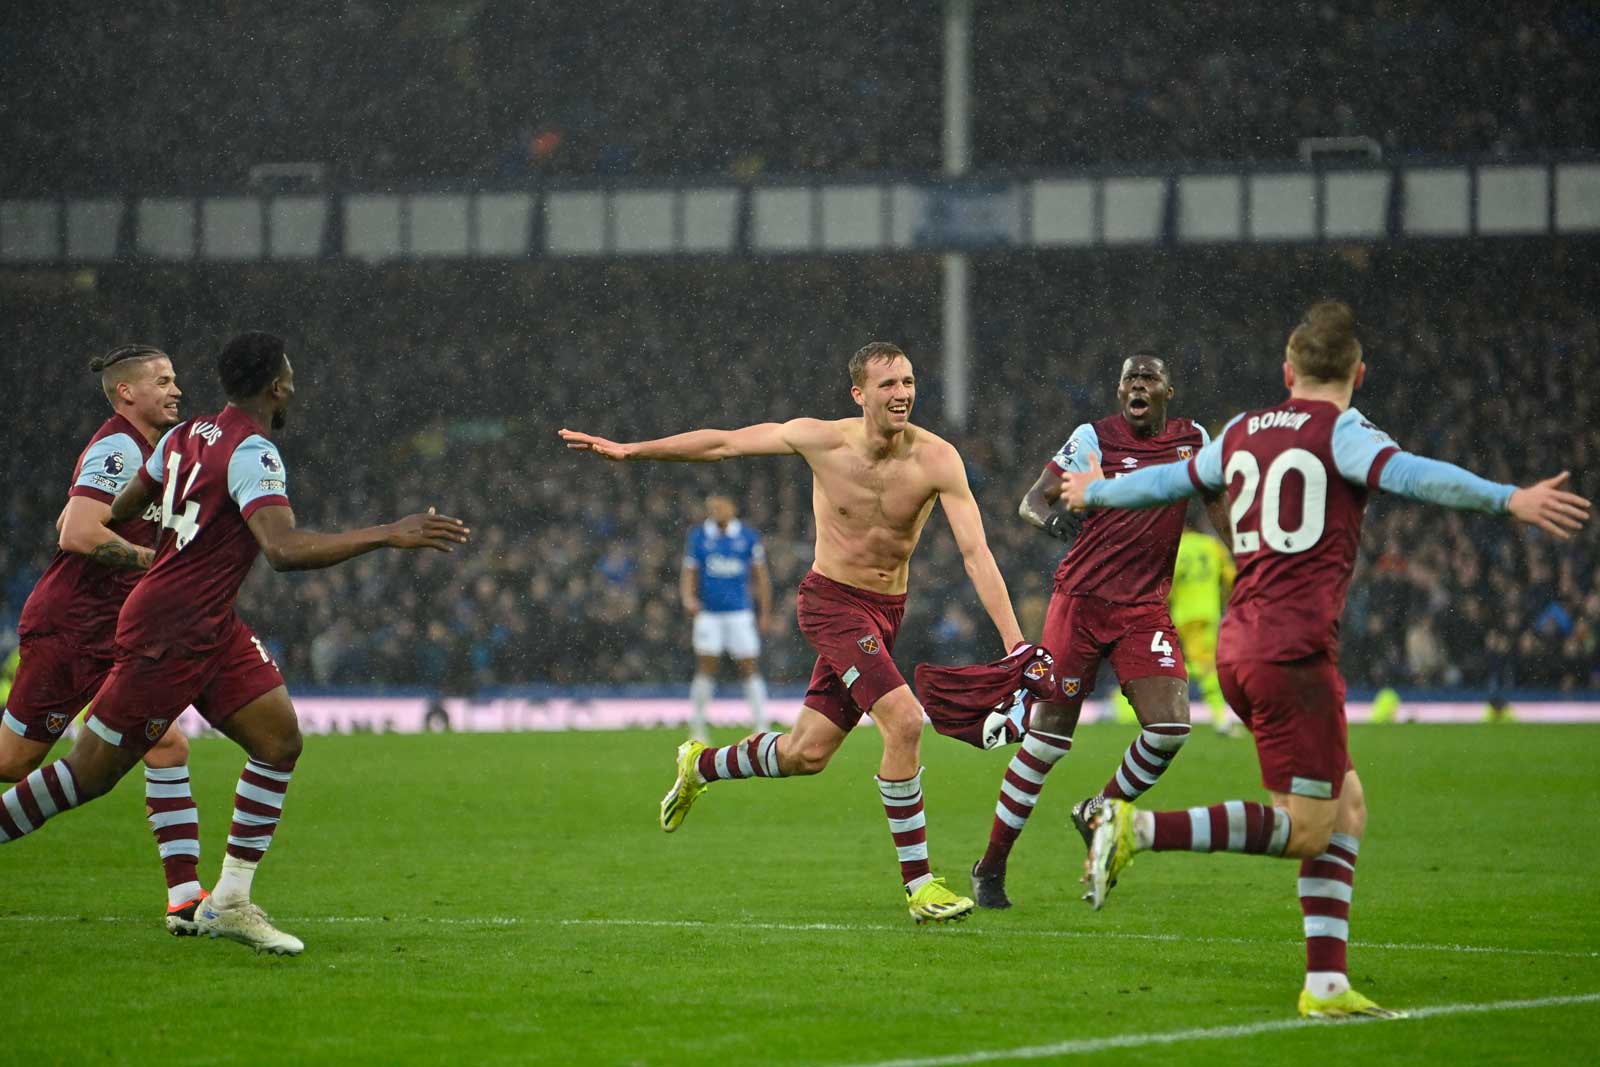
1546	505
1075	484
583	442
428	530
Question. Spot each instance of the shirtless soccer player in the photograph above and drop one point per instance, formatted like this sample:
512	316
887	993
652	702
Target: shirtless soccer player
1110	601
875	480
178	641
1297	478
70	618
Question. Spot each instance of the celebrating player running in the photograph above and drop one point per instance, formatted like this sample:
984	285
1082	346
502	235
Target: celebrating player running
876	480
224	501
1297	477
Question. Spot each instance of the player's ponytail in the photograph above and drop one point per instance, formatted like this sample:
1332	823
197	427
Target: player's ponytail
1324	346
123	353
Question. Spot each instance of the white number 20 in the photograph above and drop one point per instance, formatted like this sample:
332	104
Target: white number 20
186	525
1313	508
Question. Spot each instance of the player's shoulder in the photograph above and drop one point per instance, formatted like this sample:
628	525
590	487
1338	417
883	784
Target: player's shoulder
1351	418
931	447
115	438
822	432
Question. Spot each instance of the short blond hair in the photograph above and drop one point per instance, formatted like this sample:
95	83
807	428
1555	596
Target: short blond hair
868	352
1324	346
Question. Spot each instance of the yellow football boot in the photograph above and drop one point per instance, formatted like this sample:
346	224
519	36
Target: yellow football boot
686	790
933	903
1347	1005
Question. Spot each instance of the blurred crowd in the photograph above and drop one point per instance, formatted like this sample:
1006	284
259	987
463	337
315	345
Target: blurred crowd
444	385
152	95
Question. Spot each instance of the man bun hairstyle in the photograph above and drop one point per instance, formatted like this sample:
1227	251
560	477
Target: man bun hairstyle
868	352
1324	346
119	365
248	364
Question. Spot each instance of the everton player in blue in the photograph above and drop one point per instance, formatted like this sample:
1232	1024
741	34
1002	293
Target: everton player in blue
726	591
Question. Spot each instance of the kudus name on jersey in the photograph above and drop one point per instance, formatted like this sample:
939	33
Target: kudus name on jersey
1273	420
209	430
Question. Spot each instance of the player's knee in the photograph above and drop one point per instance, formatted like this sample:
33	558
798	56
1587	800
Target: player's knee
902	731
171	751
281	750
1057	719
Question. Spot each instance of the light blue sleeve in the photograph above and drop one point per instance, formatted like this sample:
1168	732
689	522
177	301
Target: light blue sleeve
1074	455
1437	482
156	465
108	464
1208	461
1358	445
256	471
1147	488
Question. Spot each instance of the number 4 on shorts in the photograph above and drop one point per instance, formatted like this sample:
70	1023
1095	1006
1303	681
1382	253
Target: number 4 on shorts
1159	645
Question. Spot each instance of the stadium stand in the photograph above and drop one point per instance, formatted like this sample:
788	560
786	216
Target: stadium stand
158	95
445	384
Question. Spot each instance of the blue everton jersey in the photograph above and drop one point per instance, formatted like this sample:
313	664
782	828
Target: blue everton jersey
723	559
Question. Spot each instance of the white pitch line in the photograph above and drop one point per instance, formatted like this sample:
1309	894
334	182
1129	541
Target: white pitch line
1116	935
1086	1045
964	931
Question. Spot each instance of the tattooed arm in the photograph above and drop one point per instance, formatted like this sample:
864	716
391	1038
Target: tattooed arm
84	531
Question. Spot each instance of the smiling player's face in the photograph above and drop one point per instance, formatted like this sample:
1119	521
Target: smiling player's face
1143	393
155	393
889	393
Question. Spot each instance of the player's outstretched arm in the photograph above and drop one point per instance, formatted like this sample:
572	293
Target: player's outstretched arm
708	446
289	548
1147	488
1544	504
84	531
966	523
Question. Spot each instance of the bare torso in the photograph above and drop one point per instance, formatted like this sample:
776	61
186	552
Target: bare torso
870	505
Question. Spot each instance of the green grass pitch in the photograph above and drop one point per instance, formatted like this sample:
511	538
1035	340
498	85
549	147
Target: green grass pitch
509	899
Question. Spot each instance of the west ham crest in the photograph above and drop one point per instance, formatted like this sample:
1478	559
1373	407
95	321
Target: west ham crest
1186	451
868	644
155	728
1072	686
56	721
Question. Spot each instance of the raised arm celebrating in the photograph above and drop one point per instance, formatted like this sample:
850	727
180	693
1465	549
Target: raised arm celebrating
794	437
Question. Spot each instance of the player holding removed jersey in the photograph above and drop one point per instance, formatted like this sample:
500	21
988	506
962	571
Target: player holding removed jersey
875	479
1297	478
224	501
